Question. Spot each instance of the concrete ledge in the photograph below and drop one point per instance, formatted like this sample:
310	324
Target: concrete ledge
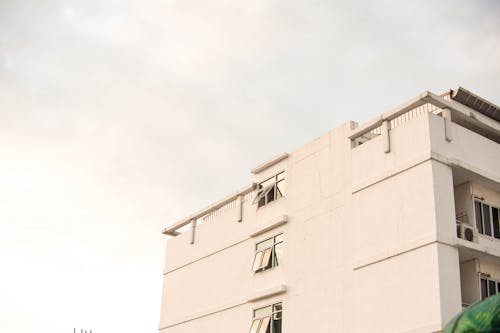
484	244
261	294
464	165
269	225
269	163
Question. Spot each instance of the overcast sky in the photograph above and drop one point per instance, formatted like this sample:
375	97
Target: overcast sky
119	117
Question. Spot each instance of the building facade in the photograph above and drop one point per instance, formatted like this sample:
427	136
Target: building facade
392	226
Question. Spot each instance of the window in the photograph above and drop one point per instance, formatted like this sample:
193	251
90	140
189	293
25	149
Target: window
487	219
271	189
268	253
489	287
267	319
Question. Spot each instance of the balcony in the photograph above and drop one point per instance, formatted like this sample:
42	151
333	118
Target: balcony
479	278
477	203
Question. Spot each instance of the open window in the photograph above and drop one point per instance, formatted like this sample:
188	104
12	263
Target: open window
270	190
267	319
268	253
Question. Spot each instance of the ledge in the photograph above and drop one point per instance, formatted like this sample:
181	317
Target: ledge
485	245
261	294
269	163
269	225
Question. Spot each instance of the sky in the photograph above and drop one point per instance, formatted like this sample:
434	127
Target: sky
120	117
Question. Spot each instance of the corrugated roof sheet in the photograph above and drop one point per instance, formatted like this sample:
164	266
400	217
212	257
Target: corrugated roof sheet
477	103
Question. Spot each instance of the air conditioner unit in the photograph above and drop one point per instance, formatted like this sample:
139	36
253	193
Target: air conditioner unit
466	231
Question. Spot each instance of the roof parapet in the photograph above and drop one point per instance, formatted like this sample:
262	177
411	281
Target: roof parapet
421	99
173	229
463	110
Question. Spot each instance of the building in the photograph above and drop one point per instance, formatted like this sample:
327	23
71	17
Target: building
392	226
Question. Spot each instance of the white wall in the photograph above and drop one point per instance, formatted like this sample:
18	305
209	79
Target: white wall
370	243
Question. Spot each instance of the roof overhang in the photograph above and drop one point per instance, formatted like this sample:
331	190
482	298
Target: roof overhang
475	102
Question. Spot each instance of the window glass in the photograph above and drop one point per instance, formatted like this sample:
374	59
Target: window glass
262	202
496	223
270	195
484	289
492	288
479	218
262	312
277	325
268	253
269	318
266	262
262	195
267	183
486	220
270	190
257	261
255	326
264	327
278	238
265	244
278	254
281	188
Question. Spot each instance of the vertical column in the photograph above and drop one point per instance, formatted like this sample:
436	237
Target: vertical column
386	126
240	208
447	124
193	228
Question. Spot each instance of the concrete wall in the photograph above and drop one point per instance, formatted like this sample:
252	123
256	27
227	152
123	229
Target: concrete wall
370	243
214	274
467	149
469	274
490	194
490	265
403	205
464	202
469	281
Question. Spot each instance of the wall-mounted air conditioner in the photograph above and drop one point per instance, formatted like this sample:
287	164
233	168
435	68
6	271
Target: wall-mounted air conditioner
466	231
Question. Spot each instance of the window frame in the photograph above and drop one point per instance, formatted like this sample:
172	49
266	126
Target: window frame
260	254
487	280
262	198
480	226
270	317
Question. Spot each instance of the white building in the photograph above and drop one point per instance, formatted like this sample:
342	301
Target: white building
392	226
